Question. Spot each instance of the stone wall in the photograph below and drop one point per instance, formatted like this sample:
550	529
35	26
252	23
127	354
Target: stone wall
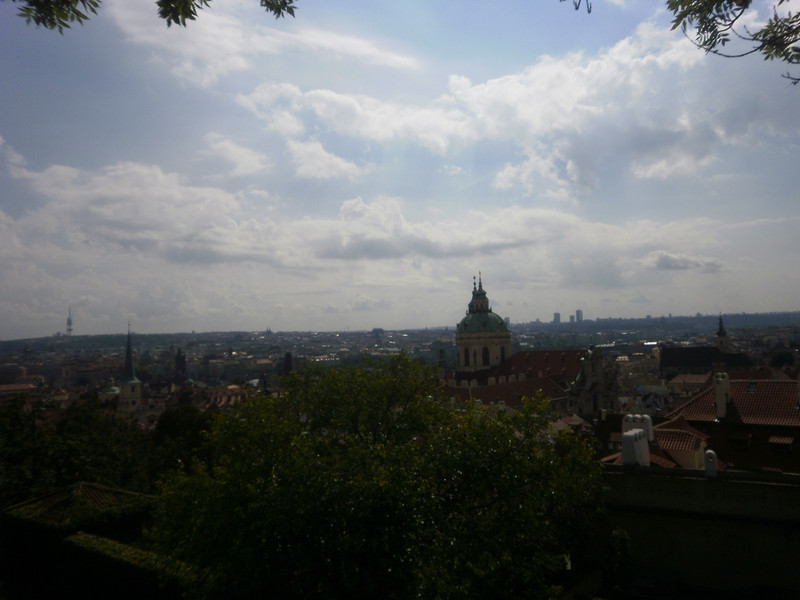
737	533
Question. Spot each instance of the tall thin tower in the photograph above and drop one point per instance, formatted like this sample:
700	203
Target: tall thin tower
69	321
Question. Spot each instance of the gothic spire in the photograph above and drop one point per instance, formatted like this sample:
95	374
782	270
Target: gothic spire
128	373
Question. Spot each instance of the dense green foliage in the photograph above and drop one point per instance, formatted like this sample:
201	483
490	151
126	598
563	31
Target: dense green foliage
42	450
60	14
87	443
361	482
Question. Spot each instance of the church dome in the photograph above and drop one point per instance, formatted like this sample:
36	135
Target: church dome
480	317
481	321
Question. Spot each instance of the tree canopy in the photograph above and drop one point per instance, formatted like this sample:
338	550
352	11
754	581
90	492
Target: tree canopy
361	483
713	24
60	14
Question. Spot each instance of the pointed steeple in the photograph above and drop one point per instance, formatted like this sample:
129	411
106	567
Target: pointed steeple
722	335
128	372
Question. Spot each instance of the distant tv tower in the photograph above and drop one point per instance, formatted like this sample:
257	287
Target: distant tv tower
69	321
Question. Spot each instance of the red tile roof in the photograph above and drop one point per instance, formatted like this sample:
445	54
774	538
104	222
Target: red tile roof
681	424
673	440
781	440
548	371
762	402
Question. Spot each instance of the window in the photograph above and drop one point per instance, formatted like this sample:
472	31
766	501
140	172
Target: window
485	356
466	357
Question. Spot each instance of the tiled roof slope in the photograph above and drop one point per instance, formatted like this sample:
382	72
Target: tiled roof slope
543	363
672	440
548	371
761	402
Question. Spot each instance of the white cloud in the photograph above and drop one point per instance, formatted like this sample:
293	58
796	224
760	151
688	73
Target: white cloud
566	119
313	161
145	242
364	117
668	261
12	158
219	42
357	182
246	161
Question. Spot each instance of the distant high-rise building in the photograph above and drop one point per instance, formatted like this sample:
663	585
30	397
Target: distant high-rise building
572	318
69	321
556	318
579	316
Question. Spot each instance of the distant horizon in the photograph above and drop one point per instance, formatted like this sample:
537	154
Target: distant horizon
566	323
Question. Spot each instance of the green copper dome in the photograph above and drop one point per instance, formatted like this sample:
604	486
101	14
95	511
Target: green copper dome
481	321
480	317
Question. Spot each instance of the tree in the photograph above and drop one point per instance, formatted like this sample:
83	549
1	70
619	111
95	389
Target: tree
361	483
85	443
59	14
716	23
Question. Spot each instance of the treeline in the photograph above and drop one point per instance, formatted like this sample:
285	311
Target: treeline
358	482
90	442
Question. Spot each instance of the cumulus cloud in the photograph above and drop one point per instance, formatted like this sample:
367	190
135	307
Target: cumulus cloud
614	174
565	120
314	162
220	43
364	117
13	159
245	160
145	241
666	261
365	303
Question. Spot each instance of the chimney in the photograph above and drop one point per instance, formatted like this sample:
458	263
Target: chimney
635	449
722	394
643	422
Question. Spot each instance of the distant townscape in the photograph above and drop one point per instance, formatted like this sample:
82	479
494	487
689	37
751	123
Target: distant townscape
694	419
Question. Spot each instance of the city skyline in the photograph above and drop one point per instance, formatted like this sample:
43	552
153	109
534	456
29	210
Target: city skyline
350	170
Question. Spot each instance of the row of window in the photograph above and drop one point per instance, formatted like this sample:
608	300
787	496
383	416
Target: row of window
484	356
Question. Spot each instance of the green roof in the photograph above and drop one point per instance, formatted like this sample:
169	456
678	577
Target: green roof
481	322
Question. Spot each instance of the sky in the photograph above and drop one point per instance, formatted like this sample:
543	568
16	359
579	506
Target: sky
354	167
